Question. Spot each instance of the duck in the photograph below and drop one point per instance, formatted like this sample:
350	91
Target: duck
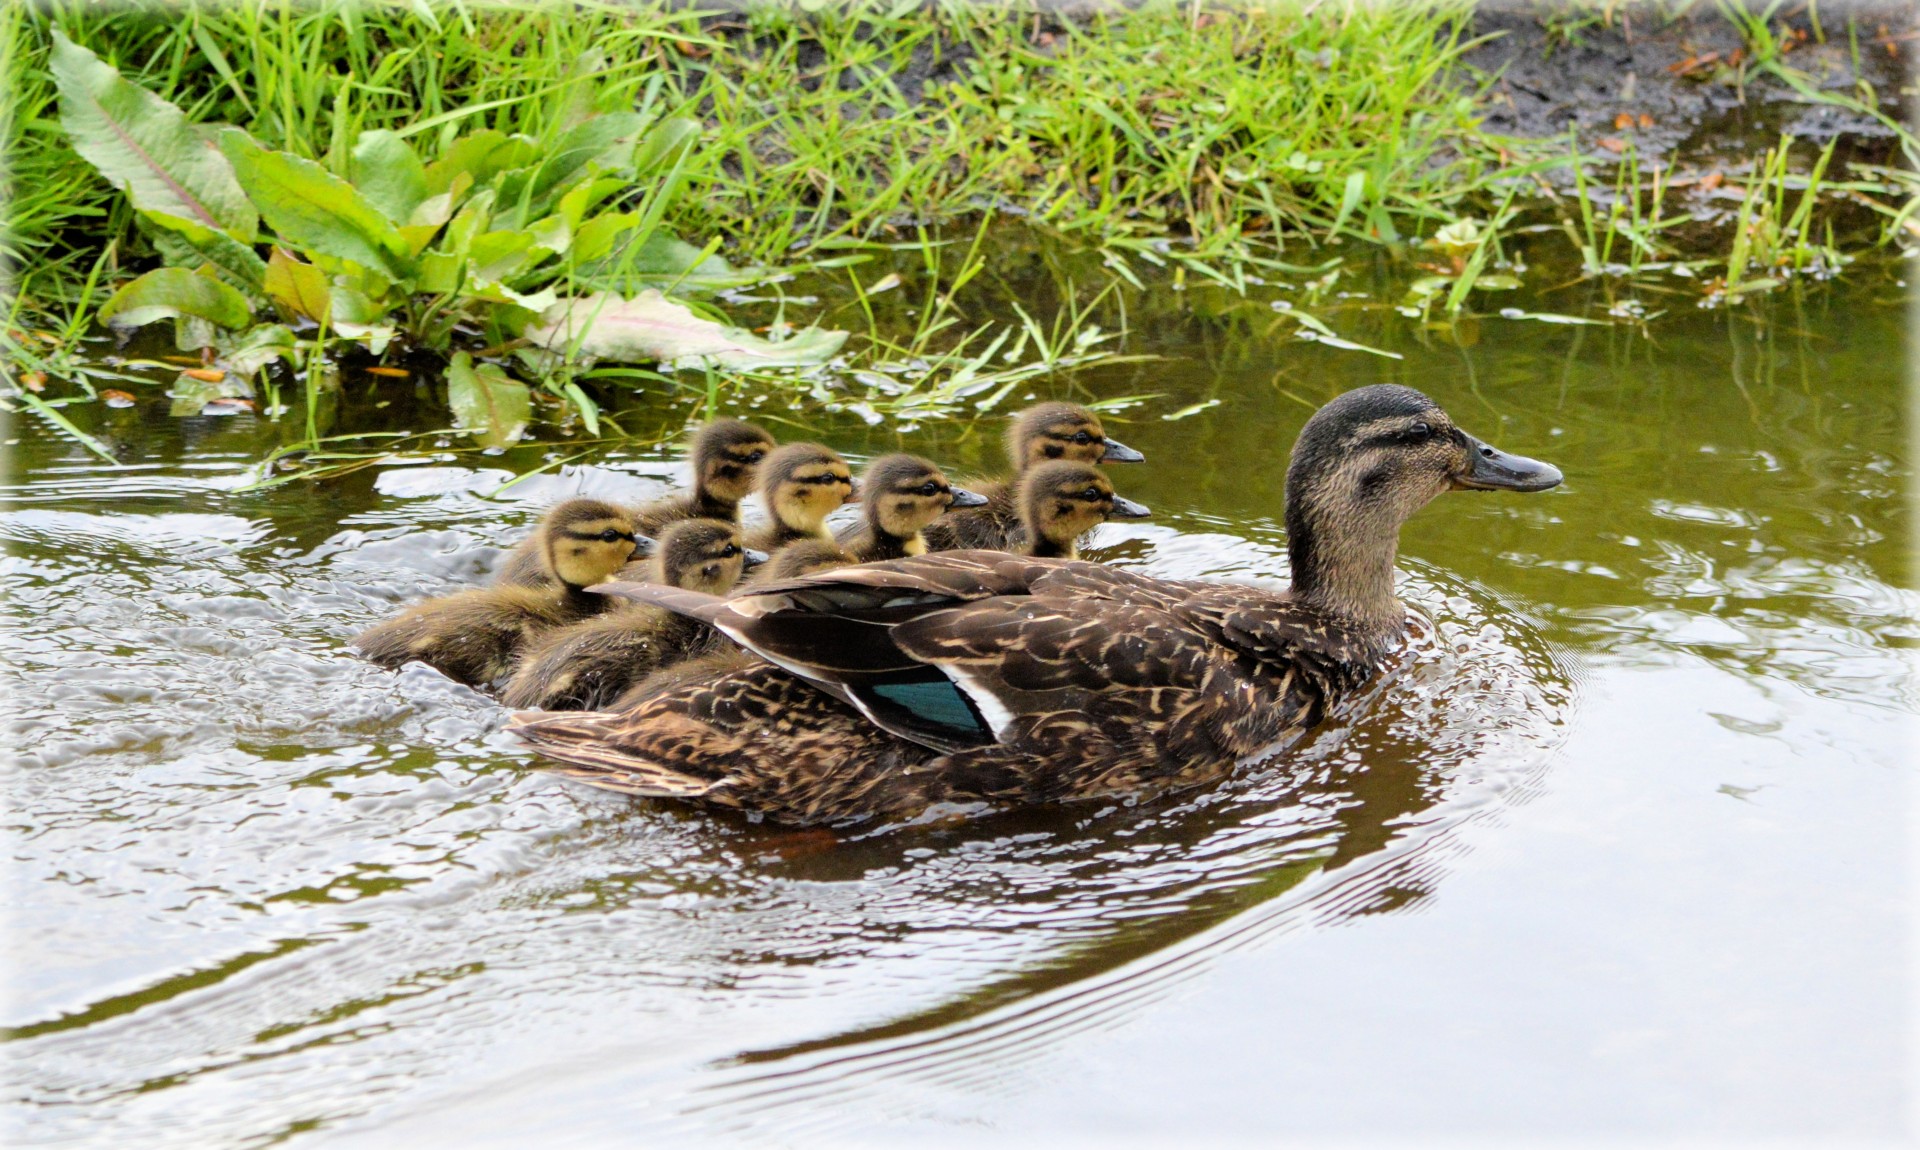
801	484
973	680
589	664
726	455
1060	502
1039	434
476	636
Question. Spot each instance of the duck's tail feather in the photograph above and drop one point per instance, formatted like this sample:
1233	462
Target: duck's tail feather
693	604
578	738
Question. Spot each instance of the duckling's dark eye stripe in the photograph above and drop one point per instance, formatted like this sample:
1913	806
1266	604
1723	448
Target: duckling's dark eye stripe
594	536
822	479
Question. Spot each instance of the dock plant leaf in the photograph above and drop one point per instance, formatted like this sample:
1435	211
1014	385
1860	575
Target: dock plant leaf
174	293
652	327
145	145
485	402
312	209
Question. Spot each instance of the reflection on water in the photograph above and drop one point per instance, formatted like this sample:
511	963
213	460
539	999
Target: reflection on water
247	866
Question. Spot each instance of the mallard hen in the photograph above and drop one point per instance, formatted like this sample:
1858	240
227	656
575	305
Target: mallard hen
1040	434
475	636
975	677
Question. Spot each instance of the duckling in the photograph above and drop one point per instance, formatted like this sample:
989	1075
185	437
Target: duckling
981	678
588	664
726	453
801	483
475	636
1049	431
1059	502
901	495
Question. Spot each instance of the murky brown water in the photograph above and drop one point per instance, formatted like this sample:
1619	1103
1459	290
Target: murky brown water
1619	851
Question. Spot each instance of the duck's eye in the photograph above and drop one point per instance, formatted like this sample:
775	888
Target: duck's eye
729	552
929	488
756	456
1082	437
1090	493
1419	433
609	536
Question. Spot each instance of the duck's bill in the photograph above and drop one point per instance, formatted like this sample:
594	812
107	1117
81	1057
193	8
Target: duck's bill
964	498
1118	452
1491	469
1124	508
752	558
643	546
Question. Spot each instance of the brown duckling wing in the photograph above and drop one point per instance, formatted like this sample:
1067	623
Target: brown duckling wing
995	526
523	567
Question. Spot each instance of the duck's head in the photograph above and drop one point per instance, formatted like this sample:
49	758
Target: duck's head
727	454
802	484
1063	500
703	555
1362	466
1052	431
585	541
903	493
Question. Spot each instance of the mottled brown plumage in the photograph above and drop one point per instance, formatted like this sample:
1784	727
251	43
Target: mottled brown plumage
980	677
475	636
1040	434
591	663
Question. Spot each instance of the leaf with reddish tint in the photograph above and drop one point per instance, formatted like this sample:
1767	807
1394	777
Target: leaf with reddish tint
652	327
114	397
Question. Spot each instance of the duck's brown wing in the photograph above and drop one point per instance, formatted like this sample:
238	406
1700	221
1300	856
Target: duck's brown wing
756	739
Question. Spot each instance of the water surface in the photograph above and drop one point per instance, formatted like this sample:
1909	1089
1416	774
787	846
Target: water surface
1618	849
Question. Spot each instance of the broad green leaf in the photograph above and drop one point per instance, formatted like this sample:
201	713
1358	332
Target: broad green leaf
145	146
350	305
497	255
190	394
604	140
312	209
665	255
486	402
255	348
437	210
597	236
388	174
173	293
239	261
658	148
418	236
586	195
482	156
551	235
535	303
299	287
652	327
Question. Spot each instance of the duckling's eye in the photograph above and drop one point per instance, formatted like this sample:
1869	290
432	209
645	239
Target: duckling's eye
929	488
1082	437
756	456
729	551
609	536
1090	493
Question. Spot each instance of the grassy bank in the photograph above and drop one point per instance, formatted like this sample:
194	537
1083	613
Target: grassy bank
1234	142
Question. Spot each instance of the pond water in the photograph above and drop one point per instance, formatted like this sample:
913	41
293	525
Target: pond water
1619	849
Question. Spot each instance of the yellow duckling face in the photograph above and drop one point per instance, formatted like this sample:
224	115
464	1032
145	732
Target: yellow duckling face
727	454
904	493
703	555
802	484
585	541
1063	501
1063	431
